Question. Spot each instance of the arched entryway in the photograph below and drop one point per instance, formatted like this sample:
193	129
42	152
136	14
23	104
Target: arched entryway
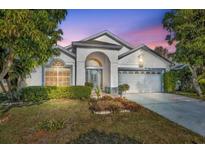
98	69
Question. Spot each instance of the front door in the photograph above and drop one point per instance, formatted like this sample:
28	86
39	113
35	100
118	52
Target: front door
94	76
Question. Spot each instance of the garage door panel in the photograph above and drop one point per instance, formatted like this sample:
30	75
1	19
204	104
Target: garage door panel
141	82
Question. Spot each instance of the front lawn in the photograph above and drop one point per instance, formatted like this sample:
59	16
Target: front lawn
21	125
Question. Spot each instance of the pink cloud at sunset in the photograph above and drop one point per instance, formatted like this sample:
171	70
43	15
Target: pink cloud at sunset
152	37
134	26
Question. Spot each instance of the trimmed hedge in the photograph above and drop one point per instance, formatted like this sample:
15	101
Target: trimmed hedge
40	93
169	81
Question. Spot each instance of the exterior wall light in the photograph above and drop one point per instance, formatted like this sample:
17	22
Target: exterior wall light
141	62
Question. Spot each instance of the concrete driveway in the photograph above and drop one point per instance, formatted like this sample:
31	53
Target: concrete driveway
185	111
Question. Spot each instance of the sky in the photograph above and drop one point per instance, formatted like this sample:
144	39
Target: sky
134	26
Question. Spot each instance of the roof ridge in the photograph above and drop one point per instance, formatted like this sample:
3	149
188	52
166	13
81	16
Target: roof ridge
114	36
95	41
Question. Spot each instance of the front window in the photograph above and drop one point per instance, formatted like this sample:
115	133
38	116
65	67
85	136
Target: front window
57	74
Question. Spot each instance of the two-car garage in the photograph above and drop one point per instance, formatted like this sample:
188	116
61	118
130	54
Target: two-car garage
141	81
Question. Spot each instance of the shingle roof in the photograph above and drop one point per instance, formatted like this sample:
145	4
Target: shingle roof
98	44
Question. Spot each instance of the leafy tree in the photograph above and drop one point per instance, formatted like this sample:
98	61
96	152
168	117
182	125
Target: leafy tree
162	51
187	29
27	38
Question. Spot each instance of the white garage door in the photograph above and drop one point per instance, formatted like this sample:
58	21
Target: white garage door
141	81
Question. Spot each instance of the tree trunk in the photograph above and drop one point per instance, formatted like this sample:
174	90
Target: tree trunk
9	93
6	66
195	81
2	87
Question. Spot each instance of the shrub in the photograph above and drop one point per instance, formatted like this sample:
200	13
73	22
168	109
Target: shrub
106	98
131	106
3	97
169	81
123	88
202	85
40	93
102	105
51	125
89	84
119	99
79	92
113	105
128	105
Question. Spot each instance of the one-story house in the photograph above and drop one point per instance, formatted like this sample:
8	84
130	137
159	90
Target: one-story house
105	60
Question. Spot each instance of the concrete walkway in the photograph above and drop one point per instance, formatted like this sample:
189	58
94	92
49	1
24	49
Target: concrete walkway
185	111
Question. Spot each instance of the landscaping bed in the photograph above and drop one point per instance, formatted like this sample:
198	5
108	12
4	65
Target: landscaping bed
108	104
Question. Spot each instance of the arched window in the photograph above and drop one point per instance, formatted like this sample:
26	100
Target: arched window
93	63
57	74
57	63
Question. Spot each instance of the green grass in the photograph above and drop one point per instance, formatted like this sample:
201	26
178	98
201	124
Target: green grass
144	126
190	94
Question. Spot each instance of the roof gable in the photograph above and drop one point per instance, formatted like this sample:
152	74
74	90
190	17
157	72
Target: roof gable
108	34
146	48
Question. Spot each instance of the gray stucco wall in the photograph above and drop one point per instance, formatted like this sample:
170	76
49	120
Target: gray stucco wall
82	54
150	60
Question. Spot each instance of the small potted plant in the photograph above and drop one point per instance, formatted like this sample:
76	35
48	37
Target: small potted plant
123	88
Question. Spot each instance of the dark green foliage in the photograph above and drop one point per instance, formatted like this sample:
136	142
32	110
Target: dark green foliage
183	76
3	97
123	88
51	125
186	30
169	81
79	92
201	80
40	93
89	84
27	40
96	137
202	85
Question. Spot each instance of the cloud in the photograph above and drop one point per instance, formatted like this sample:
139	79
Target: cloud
152	37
